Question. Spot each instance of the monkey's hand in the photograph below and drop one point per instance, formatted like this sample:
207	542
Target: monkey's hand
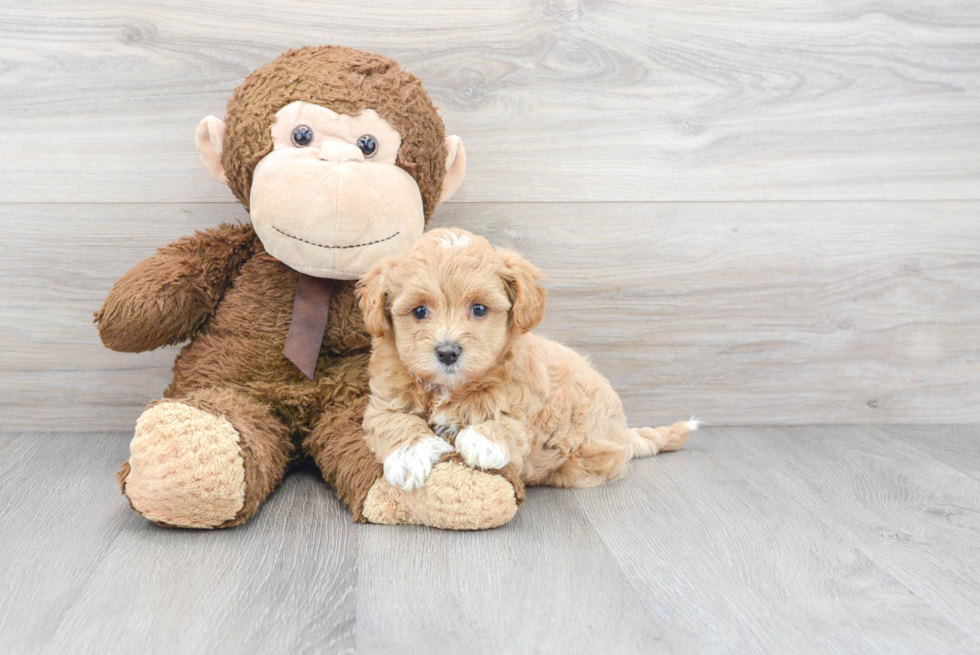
166	298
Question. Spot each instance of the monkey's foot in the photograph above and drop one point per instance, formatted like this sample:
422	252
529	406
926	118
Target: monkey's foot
185	467
454	497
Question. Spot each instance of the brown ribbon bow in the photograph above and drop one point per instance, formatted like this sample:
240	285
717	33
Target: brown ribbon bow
311	309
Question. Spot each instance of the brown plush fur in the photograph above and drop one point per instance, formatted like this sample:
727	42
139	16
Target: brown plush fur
526	401
346	81
220	290
234	364
166	298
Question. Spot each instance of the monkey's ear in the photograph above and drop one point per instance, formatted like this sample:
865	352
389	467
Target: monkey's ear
527	297
210	138
372	294
455	166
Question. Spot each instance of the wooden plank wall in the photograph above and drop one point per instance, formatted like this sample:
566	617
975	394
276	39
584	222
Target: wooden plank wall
757	212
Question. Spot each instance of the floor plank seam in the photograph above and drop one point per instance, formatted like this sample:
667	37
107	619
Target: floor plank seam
92	570
973	475
895	572
630	582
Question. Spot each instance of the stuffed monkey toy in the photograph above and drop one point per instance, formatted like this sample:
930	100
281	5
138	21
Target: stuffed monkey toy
340	158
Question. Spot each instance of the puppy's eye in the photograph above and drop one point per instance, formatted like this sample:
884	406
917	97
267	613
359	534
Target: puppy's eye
479	310
420	313
302	136
368	145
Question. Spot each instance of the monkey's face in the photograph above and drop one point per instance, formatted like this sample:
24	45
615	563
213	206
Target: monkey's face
329	199
331	193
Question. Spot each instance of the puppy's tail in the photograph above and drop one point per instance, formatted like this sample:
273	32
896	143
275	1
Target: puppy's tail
650	441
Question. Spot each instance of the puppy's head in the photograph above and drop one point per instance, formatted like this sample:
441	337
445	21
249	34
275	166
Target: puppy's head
451	304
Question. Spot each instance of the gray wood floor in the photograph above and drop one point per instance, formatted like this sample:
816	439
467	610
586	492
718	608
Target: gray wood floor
816	539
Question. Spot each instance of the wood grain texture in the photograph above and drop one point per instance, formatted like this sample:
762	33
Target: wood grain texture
61	512
542	584
838	539
7	438
741	313
912	515
720	555
556	100
957	446
286	586
80	572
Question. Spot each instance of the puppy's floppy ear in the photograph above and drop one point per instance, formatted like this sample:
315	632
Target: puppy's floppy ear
372	293
527	297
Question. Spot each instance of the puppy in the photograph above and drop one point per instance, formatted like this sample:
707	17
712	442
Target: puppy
455	366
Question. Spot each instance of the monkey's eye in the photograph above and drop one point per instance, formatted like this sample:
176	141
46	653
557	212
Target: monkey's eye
368	145
421	313
479	310
302	136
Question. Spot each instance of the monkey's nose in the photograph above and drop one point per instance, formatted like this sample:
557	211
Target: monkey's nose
340	151
448	353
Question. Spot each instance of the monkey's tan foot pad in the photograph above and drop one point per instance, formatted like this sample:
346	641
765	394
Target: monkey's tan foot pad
455	497
185	467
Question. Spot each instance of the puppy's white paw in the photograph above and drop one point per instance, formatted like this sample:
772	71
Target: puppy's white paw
409	467
480	452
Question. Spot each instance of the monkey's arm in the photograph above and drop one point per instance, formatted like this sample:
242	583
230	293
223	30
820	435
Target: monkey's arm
164	299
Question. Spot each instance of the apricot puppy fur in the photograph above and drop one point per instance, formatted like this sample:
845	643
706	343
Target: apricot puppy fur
455	367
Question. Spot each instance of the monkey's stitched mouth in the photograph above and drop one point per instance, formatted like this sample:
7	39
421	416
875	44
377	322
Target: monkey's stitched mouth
322	245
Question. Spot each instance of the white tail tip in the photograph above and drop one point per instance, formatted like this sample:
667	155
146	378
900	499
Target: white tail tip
693	424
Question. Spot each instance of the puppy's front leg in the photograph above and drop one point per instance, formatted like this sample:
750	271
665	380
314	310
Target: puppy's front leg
408	467
405	445
492	444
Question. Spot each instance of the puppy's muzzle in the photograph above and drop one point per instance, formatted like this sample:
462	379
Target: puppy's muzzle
448	353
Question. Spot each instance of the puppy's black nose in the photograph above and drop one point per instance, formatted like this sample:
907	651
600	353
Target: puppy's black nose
448	353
